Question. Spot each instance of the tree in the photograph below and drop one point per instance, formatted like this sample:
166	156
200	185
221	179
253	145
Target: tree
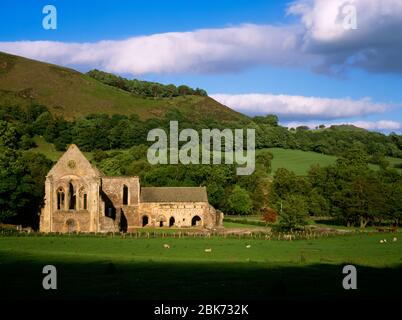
286	183
294	212
264	159
9	135
318	204
239	201
395	202
21	186
184	90
269	119
216	195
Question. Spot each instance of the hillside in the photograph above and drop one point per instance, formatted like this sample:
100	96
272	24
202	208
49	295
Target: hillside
70	94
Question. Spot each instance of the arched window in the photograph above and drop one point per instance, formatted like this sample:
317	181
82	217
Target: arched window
83	199
195	221
171	222
72	203
60	199
125	195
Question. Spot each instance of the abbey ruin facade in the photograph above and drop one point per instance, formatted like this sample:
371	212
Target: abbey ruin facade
79	198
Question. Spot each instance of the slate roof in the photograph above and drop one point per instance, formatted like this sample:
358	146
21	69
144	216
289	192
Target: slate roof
174	194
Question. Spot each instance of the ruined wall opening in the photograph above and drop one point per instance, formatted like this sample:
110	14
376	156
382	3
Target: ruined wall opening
71	225
110	211
195	221
72	203
60	199
162	221
123	222
145	221
83	199
125	195
171	222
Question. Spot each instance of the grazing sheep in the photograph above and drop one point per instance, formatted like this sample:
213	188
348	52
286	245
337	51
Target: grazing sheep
385	240
248	246
208	250
381	241
394	239
166	246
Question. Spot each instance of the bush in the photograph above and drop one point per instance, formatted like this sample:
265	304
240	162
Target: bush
269	215
8	229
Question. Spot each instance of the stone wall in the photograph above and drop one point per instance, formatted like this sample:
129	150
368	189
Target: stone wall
71	221
113	188
182	213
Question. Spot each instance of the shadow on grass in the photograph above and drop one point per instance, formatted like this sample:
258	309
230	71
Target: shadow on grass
21	278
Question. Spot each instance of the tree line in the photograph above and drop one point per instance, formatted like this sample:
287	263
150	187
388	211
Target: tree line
101	131
347	191
145	88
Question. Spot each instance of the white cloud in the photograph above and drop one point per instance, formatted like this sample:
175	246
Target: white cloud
318	41
376	44
298	107
381	125
200	51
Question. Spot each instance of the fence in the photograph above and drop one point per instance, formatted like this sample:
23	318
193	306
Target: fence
278	236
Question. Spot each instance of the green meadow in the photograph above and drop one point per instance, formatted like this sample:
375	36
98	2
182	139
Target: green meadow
115	267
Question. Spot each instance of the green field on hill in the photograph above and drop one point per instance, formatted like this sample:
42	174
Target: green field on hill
112	267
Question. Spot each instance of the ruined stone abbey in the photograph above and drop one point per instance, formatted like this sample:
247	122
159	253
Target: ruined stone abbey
79	198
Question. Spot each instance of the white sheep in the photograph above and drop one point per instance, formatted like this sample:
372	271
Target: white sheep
385	240
248	246
381	241
395	239
208	250
166	246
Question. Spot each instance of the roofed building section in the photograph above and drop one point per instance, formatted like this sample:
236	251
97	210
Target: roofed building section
174	194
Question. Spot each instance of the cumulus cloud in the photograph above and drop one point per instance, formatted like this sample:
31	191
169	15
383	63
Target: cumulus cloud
381	125
300	107
318	40
200	51
375	45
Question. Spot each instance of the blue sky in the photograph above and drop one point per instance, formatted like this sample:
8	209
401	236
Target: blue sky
246	47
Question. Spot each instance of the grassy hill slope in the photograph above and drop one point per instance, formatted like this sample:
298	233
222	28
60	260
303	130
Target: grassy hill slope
70	93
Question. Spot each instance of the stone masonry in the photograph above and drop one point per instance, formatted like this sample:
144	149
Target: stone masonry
79	198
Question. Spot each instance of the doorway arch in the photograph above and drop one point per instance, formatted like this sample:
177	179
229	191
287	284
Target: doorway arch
171	221
196	221
145	221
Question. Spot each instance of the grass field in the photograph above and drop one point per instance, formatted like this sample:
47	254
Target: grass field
111	267
298	161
